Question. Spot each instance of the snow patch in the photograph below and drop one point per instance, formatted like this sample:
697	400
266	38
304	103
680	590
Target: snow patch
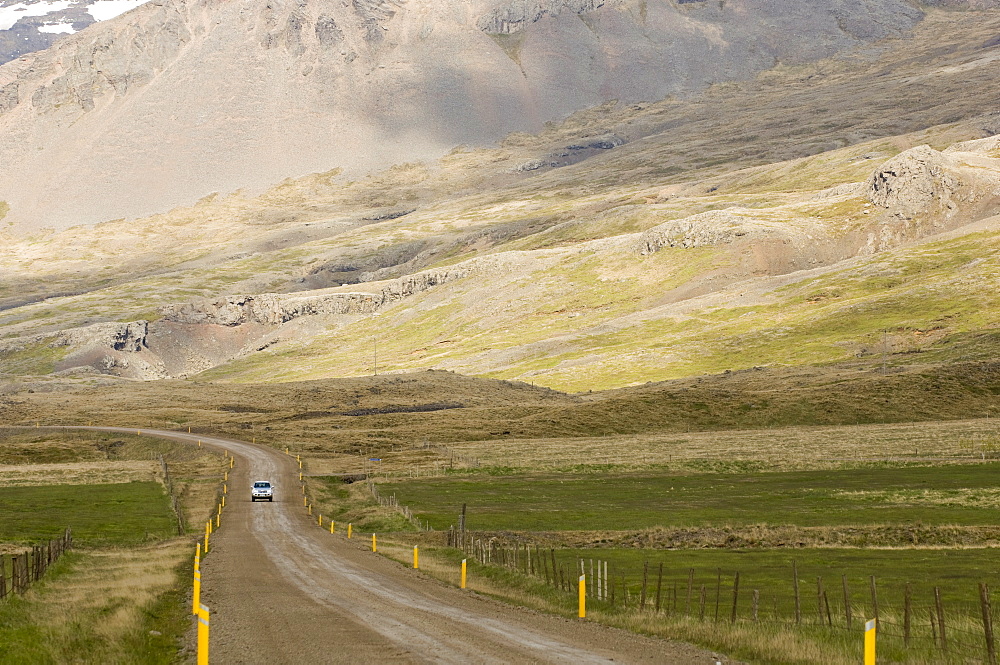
57	28
102	10
14	13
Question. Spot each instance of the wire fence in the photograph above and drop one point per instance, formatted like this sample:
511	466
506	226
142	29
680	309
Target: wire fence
961	630
29	566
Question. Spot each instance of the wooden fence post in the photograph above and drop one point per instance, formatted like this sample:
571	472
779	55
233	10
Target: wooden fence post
795	584
736	592
907	614
847	601
756	600
687	610
659	583
645	580
940	616
819	598
718	592
874	592
984	601
703	594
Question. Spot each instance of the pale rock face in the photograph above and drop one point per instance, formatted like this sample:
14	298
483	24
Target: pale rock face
276	309
923	182
913	180
182	98
715	227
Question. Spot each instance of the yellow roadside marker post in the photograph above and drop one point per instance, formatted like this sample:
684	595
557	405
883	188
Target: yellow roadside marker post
583	597
300	476
416	558
463	572
331	526
225	487
321	520
223	500
218	519
196	594
870	642
219	508
310	509
138	432
203	615
374	544
305	500
189	430
225	476
208	532
231	462
348	529
197	555
199	443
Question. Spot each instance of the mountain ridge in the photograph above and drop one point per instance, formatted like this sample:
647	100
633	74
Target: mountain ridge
176	100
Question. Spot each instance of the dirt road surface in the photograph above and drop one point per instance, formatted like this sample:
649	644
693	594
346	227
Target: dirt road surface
282	590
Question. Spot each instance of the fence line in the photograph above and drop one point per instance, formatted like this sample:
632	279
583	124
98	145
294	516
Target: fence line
29	566
963	629
391	502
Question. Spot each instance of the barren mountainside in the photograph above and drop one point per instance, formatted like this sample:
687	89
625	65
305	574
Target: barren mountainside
838	207
182	98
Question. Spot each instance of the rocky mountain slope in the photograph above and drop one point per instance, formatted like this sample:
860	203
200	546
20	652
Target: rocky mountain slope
179	99
841	211
35	25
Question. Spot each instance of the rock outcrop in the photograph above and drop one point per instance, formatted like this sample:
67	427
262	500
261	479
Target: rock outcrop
937	186
913	181
275	309
518	14
715	227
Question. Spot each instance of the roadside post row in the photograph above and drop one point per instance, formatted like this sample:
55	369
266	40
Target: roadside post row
870	626
200	611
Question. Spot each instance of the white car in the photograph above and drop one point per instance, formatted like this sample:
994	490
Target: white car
262	490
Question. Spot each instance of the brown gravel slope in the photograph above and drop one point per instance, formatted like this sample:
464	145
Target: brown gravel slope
282	590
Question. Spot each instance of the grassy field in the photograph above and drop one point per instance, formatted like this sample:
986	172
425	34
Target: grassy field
100	515
931	495
120	595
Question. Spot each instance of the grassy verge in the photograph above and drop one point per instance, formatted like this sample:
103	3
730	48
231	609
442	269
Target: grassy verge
120	606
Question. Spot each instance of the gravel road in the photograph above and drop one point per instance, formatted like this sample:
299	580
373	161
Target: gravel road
282	590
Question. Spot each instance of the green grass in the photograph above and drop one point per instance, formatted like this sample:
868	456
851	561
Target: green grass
100	515
956	572
941	495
